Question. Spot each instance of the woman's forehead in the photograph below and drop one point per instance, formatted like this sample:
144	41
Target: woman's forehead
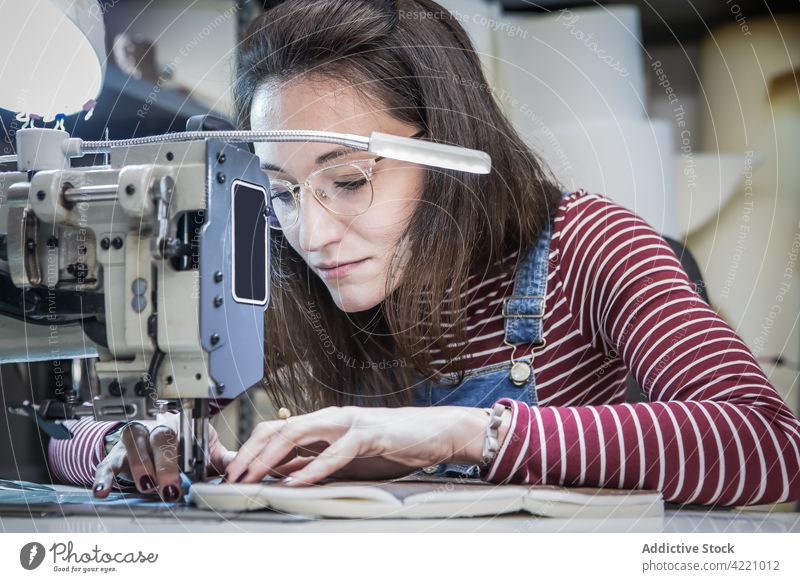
314	105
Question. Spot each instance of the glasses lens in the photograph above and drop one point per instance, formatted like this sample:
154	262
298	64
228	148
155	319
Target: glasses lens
284	206
345	189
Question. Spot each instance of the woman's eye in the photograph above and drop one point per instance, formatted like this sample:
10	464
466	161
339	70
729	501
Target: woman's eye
282	195
351	184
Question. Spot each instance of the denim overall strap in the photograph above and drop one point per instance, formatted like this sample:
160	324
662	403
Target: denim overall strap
523	314
524	310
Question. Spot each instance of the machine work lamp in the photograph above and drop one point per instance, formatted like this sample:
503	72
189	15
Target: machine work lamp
52	56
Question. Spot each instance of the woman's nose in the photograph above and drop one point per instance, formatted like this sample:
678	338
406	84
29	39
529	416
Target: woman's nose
317	226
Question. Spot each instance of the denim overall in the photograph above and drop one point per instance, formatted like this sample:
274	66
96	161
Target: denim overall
523	316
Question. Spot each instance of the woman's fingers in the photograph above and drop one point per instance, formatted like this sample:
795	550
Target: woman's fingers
219	460
218	456
136	439
276	452
250	449
335	457
107	472
325	424
272	442
297	458
164	446
290	443
291	440
289	467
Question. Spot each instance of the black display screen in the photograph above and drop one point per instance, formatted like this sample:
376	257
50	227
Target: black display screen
249	253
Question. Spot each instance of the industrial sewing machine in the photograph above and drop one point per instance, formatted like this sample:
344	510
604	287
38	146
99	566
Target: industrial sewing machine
154	265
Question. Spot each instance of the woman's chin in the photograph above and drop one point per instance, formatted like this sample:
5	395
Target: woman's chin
353	303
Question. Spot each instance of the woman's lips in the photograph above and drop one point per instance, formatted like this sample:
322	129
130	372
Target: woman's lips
340	271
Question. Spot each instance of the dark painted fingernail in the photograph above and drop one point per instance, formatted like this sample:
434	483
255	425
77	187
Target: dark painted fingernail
242	476
99	487
171	493
146	483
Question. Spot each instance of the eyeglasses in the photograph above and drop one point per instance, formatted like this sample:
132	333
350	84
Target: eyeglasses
343	189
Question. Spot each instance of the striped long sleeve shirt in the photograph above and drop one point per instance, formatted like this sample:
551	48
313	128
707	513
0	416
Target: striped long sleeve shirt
714	430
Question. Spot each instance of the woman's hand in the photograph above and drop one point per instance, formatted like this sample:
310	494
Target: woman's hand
150	459
359	443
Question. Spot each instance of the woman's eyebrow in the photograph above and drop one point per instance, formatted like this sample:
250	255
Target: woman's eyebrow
337	153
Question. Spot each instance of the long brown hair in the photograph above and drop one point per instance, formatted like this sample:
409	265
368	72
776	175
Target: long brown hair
415	60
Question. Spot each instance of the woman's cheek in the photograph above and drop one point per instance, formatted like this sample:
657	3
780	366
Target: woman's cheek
389	220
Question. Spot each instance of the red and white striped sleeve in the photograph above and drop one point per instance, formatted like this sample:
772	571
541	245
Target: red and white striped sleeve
74	461
714	431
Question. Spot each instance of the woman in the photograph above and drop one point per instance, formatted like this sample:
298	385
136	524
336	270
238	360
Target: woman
398	318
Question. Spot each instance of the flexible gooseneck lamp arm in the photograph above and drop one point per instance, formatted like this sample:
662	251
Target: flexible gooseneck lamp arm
381	144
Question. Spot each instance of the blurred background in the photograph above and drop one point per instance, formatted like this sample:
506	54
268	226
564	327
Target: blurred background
687	112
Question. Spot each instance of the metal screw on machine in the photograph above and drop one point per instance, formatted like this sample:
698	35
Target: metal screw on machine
138	303
115	388
140	388
78	270
139	286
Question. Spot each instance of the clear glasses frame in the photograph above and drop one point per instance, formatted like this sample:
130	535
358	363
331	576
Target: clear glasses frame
365	166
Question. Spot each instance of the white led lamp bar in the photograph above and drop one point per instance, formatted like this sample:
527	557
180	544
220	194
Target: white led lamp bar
409	149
